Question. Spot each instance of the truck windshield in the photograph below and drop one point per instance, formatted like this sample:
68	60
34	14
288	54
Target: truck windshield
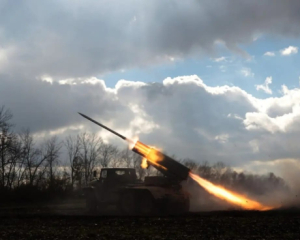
120	172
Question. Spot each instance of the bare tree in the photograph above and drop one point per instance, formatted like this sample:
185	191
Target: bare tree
109	155
8	148
137	161
5	117
126	157
73	146
191	164
218	169
205	170
31	158
78	167
90	153
52	152
13	155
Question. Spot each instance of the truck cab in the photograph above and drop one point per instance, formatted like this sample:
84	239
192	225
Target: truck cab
117	176
105	190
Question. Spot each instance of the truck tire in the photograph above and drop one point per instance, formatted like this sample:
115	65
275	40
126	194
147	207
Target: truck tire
185	206
181	207
91	202
127	204
146	204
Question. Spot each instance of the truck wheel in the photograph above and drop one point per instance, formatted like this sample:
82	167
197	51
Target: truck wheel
91	202
127	203
186	206
146	204
183	207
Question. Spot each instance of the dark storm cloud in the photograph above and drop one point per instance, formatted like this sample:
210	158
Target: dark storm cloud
84	38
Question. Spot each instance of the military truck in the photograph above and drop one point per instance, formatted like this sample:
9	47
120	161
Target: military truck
157	194
121	188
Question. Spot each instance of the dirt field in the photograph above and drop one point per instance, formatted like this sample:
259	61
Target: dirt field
67	221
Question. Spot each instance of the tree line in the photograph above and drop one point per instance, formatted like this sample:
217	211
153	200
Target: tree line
53	166
29	168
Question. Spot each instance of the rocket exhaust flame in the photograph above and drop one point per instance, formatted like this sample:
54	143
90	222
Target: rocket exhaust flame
144	163
154	157
229	196
150	154
174	169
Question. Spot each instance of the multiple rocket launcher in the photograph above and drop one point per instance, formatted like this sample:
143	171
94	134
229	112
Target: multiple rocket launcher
176	171
163	163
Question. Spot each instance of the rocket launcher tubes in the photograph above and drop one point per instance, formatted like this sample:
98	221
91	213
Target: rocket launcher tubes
163	163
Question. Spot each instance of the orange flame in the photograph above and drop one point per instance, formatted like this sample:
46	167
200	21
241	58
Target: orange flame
151	155
144	163
229	196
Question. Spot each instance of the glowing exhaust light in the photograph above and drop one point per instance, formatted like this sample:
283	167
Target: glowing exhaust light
229	196
144	163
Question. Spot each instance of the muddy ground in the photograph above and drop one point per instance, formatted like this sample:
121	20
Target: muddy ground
70	221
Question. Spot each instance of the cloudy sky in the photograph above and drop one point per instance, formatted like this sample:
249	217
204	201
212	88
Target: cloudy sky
210	80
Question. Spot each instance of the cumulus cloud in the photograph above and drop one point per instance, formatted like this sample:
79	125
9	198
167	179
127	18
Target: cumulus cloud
183	115
220	59
289	51
78	39
269	54
265	87
247	72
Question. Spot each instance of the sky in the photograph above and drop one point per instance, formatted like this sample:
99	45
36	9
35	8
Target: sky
207	80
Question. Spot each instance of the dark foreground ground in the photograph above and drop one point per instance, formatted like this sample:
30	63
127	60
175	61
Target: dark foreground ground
69	222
